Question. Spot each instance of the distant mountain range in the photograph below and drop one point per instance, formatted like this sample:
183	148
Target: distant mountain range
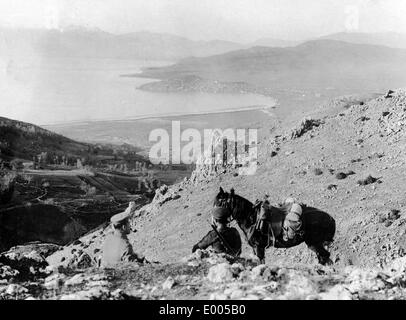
95	43
389	39
80	42
316	64
271	42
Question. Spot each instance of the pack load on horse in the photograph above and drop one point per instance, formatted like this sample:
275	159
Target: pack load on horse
289	213
222	238
283	226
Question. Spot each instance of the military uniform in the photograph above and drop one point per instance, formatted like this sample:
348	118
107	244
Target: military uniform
116	246
231	237
222	240
116	249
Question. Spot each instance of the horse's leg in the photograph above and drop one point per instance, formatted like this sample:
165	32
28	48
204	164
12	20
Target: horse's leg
260	253
322	254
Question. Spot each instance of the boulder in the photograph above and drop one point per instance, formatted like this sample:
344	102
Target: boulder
220	273
77	279
54	281
306	125
16	289
338	292
168	283
360	280
389	94
92	294
397	271
368	180
28	264
7	273
258	271
298	286
237	268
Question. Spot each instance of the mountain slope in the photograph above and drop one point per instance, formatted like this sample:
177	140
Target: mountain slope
25	140
325	167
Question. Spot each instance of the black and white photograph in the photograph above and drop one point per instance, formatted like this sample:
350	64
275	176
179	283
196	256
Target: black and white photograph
202	150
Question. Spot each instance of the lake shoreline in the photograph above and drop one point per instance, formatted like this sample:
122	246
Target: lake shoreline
169	115
191	83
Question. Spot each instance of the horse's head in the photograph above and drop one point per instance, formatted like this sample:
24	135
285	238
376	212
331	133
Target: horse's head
222	198
240	208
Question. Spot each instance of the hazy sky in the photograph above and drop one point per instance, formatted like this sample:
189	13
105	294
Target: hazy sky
236	20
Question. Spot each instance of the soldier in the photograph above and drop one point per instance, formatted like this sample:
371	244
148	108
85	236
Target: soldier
222	238
116	247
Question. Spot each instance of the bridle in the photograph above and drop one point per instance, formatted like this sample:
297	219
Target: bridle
272	233
229	202
229	205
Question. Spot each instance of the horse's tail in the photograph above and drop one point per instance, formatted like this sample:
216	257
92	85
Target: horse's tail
331	230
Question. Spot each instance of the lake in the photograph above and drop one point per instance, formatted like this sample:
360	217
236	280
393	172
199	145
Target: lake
47	91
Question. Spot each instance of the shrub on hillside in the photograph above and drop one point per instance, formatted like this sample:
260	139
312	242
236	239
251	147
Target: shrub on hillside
88	189
7	182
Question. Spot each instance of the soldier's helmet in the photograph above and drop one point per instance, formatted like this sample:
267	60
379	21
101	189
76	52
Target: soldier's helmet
220	214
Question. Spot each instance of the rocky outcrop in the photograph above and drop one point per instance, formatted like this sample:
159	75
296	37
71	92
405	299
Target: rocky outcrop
306	125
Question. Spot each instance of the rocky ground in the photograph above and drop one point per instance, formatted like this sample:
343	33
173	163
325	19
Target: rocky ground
202	275
347	157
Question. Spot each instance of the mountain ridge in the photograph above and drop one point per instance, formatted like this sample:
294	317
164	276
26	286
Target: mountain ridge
389	39
81	42
314	66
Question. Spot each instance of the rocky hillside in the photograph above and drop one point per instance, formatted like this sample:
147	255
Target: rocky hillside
24	140
347	158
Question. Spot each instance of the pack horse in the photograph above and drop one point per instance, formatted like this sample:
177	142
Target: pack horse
264	225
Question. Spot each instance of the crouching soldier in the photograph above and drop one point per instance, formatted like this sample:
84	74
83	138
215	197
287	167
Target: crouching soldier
222	238
116	246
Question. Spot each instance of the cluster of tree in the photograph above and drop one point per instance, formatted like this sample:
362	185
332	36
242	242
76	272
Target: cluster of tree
53	158
130	166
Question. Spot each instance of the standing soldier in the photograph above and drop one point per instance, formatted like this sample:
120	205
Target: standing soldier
116	246
222	238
